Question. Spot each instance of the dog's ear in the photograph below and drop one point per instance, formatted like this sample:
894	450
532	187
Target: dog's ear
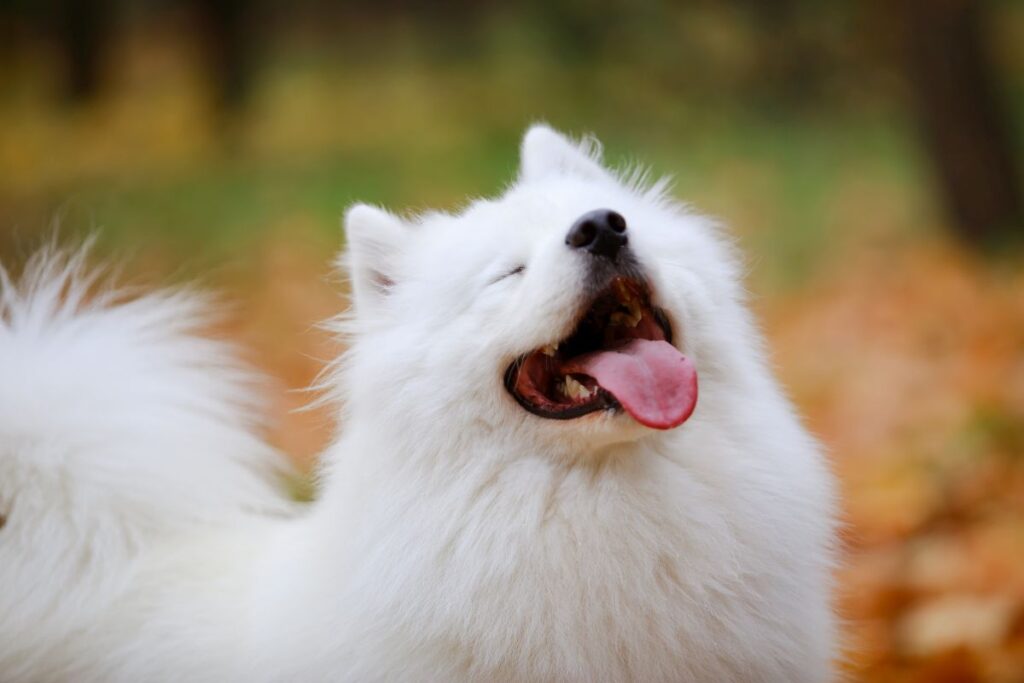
375	239
545	151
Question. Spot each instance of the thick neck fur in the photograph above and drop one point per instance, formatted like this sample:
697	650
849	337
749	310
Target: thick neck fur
495	557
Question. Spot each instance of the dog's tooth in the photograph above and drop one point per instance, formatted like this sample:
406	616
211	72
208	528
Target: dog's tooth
627	319
622	291
620	319
575	390
550	349
636	313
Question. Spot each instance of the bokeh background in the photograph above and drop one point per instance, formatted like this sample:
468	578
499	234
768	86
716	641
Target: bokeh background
866	154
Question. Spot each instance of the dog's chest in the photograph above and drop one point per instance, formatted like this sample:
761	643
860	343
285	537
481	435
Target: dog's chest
623	594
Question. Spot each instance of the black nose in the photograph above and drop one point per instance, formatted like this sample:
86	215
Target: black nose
601	232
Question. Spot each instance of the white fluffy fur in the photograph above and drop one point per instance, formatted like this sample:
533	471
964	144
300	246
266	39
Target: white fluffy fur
457	537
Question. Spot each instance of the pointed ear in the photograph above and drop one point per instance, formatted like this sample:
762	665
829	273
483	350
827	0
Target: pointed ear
375	239
545	151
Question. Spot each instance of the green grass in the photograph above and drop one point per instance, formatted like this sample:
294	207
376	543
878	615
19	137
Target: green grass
412	134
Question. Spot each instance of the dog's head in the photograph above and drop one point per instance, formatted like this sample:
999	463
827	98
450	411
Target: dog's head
578	308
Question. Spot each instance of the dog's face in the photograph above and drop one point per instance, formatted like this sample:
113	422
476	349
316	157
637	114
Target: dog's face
578	308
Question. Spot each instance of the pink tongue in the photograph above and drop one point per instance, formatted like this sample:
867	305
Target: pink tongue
655	383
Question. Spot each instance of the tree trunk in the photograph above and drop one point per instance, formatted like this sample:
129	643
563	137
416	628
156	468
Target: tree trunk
964	128
83	27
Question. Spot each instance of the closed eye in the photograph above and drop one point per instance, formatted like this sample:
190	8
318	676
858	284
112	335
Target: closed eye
515	271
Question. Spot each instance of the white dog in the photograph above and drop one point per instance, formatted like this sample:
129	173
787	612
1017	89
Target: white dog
528	484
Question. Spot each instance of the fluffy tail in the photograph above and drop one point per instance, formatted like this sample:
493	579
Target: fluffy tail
118	426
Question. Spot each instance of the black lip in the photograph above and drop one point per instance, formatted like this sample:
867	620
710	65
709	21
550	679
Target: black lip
662	319
602	401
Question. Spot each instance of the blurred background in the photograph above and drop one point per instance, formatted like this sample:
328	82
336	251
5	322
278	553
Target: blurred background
866	154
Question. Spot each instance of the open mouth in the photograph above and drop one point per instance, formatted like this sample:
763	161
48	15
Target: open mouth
619	357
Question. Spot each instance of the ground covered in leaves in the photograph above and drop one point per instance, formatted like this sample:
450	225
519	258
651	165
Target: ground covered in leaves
910	366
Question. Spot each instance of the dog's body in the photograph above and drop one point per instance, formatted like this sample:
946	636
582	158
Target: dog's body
460	535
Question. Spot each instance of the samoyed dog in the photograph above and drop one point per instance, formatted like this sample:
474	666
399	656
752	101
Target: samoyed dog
562	457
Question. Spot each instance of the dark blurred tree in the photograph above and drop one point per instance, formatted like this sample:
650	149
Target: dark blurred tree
965	130
83	28
793	44
581	30
226	37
